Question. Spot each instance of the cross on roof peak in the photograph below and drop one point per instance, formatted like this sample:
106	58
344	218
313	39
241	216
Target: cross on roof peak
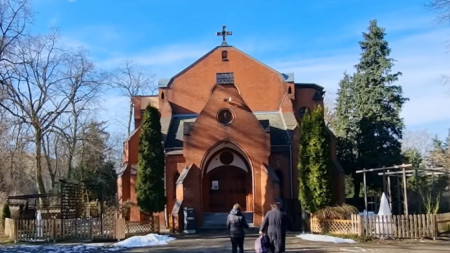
224	34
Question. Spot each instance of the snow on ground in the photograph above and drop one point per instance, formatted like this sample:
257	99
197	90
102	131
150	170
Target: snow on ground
135	241
324	238
144	241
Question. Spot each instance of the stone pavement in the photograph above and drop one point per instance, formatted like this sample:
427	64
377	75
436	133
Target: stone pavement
216	241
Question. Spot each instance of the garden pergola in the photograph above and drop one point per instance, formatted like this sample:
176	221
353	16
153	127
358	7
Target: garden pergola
386	170
401	171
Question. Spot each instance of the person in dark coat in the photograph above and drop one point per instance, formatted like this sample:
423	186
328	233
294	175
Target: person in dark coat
274	226
236	223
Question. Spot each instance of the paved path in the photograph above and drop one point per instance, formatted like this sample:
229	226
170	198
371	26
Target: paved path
219	242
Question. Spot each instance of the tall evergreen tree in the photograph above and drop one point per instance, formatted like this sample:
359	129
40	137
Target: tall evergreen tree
314	162
367	120
150	177
94	165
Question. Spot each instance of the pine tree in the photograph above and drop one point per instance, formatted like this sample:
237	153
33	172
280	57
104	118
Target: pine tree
367	121
150	176
314	162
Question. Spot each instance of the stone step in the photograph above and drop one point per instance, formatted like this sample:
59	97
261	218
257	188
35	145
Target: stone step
219	219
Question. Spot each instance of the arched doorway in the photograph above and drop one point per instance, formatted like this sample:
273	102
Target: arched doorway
228	185
227	180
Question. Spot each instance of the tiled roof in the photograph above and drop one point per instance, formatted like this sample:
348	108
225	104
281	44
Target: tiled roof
163	82
279	133
174	137
309	85
288	77
272	122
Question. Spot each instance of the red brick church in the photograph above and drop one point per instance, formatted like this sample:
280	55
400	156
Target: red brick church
230	126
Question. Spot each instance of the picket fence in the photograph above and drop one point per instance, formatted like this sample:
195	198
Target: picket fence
28	230
385	226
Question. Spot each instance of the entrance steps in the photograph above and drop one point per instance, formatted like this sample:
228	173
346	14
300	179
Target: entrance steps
219	219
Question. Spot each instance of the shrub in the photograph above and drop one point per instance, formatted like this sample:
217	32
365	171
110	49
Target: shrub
6	213
336	212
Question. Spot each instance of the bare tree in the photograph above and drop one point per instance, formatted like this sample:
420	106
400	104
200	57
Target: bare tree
39	90
132	81
15	164
84	74
420	140
329	108
442	8
50	143
14	15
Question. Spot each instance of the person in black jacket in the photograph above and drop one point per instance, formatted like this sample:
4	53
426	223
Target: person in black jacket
274	225
236	223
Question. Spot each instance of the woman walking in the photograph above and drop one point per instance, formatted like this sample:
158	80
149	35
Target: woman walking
236	223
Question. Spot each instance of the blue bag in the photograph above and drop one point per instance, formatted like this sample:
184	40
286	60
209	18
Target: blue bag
262	244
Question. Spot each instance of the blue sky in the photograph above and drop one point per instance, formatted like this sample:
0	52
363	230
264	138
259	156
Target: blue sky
315	40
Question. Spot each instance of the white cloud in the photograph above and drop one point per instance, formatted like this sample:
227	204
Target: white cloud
423	58
165	61
427	109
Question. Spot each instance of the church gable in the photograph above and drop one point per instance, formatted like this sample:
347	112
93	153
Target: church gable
261	87
226	117
230	128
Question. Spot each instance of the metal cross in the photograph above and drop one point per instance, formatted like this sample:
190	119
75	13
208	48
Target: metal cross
224	34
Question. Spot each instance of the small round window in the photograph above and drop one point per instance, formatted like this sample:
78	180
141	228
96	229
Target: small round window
225	117
226	157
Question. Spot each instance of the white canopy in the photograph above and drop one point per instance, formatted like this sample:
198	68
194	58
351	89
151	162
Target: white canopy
384	206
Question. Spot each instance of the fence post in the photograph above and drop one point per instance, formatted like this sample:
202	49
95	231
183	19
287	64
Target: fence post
54	229
394	227
13	229
433	226
120	229
91	224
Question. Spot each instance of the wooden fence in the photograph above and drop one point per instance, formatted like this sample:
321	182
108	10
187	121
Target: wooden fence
443	222
133	228
386	226
77	229
332	226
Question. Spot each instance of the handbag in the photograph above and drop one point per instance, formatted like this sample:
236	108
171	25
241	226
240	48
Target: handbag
262	244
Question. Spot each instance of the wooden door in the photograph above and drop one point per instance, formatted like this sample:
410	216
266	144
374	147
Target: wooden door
227	185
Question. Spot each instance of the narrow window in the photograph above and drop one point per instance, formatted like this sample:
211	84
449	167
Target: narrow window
224	55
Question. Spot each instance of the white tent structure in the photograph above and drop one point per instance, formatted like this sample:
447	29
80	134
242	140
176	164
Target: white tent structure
385	209
384	224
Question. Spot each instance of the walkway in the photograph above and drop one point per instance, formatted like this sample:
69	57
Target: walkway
215	242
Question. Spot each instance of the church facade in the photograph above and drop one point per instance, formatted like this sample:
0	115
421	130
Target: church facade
230	126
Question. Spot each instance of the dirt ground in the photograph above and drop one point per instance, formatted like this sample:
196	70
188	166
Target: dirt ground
215	242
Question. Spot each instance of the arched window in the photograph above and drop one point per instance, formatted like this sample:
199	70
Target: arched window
162	95
289	90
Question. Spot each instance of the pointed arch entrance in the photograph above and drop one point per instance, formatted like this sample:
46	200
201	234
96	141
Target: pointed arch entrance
227	179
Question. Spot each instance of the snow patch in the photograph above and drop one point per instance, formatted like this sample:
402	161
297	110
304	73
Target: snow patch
324	238
144	241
